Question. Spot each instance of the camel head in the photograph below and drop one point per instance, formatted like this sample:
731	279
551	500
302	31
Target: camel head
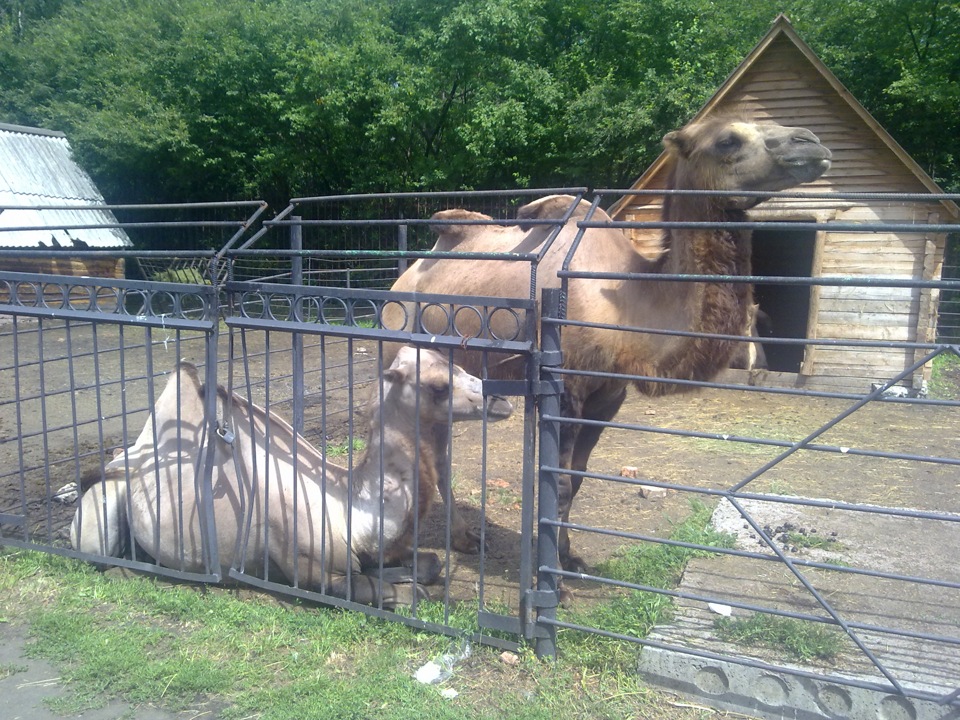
425	380
724	154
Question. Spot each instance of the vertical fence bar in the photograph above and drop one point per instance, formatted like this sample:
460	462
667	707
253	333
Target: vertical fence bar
211	340
296	339
548	491
402	247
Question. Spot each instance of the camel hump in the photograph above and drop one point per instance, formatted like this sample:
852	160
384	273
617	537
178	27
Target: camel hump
189	371
555	206
451	235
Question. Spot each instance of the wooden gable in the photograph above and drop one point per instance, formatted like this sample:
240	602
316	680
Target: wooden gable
783	80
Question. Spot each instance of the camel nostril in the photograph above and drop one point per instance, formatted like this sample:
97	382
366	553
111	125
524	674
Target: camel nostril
773	143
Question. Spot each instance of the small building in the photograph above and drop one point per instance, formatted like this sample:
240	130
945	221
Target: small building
37	173
784	81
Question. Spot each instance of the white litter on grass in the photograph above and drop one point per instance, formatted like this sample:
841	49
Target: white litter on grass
719	609
436	671
448	693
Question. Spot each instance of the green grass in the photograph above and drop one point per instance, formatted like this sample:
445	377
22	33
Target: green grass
801	639
654	565
8	669
814	541
248	655
342	448
945	377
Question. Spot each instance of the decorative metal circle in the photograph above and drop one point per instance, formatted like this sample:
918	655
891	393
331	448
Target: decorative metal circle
364	312
192	306
505	324
27	294
280	307
306	310
468	321
81	297
108	299
135	302
162	303
53	295
333	311
392	311
252	305
428	311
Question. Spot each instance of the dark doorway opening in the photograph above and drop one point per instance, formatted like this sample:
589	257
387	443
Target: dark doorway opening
784	308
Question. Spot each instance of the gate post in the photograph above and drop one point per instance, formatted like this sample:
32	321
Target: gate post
550	388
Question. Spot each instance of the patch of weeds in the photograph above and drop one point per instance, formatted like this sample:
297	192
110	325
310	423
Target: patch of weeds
945	377
342	448
8	669
803	639
636	612
813	541
778	487
506	497
793	538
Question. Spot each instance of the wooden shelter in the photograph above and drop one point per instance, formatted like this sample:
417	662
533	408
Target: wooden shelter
784	81
42	191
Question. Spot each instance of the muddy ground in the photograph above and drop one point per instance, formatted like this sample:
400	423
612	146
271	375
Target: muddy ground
50	435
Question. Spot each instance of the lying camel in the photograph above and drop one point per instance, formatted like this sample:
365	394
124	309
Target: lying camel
276	498
715	154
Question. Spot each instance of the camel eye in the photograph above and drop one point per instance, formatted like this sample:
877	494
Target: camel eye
440	392
728	143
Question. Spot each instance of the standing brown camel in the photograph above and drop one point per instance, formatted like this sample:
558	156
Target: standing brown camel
716	154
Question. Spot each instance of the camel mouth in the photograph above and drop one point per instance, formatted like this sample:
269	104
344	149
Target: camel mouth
806	170
498	407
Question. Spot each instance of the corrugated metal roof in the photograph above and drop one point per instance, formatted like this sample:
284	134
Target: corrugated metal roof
37	169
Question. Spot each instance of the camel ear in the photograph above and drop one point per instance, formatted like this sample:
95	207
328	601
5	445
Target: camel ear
676	142
395	374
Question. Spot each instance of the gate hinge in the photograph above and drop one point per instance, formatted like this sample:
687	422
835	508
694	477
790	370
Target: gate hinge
543	599
533	602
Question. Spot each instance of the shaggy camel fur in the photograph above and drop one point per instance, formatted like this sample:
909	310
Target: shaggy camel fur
275	497
715	154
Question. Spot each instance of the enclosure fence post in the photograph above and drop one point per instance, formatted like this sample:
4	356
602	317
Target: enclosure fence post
296	340
402	247
208	523
548	559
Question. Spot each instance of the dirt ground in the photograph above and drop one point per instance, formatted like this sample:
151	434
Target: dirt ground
61	440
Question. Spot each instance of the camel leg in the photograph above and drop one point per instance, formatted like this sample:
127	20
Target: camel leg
575	449
463	537
100	524
429	568
366	589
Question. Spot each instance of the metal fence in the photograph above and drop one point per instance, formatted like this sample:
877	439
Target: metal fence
825	515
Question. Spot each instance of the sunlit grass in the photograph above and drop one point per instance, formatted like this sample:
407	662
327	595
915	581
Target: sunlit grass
800	639
248	654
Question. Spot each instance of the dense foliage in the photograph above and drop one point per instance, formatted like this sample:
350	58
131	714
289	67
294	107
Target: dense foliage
167	100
